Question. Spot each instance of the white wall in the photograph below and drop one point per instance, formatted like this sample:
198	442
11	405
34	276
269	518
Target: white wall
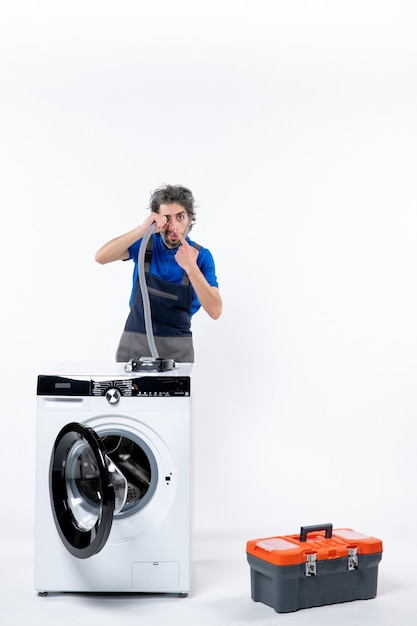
294	123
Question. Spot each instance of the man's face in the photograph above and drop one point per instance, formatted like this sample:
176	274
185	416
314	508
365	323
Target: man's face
177	222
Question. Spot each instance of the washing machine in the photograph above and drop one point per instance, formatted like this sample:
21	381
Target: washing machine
113	510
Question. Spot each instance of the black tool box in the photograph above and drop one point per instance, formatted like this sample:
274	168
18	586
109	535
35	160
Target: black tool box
317	567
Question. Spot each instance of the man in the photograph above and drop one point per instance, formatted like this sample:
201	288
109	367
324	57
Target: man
180	277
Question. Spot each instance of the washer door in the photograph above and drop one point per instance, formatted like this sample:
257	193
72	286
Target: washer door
81	490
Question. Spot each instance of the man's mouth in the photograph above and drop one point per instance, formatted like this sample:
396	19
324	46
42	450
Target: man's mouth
171	239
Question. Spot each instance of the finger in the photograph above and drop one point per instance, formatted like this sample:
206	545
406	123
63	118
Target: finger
181	238
160	221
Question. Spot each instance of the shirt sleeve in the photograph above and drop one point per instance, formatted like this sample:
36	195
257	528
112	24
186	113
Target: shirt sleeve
205	262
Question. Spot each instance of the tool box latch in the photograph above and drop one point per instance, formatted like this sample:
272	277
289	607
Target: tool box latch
311	568
353	561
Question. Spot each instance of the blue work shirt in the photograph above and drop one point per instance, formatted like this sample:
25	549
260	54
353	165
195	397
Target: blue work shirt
164	265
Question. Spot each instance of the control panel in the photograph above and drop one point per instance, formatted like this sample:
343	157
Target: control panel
140	387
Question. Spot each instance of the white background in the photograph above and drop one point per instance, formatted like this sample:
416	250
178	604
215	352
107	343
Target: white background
295	125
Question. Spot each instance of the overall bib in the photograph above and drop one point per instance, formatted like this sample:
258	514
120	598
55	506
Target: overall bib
170	305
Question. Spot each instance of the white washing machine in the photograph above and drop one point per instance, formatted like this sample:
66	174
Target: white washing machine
113	480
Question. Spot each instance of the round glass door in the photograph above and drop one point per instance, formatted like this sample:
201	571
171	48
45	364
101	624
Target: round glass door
86	490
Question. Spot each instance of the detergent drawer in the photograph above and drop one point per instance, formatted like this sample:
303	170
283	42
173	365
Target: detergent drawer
317	567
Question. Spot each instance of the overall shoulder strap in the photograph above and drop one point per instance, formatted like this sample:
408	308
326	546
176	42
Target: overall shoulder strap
148	254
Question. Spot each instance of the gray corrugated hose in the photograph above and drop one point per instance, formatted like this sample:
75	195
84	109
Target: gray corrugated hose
144	291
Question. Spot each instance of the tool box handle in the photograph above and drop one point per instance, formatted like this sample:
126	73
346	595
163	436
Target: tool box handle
328	528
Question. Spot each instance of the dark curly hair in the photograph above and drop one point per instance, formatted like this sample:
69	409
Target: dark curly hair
168	194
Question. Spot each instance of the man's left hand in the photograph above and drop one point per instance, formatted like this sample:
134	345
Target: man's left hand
186	255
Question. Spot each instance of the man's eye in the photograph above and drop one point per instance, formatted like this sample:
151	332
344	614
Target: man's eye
180	217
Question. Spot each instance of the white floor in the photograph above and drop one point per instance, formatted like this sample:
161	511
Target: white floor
220	593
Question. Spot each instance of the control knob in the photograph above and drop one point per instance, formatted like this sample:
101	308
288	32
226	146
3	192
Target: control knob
113	395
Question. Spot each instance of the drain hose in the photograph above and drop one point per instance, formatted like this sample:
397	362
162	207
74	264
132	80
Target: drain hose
144	292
